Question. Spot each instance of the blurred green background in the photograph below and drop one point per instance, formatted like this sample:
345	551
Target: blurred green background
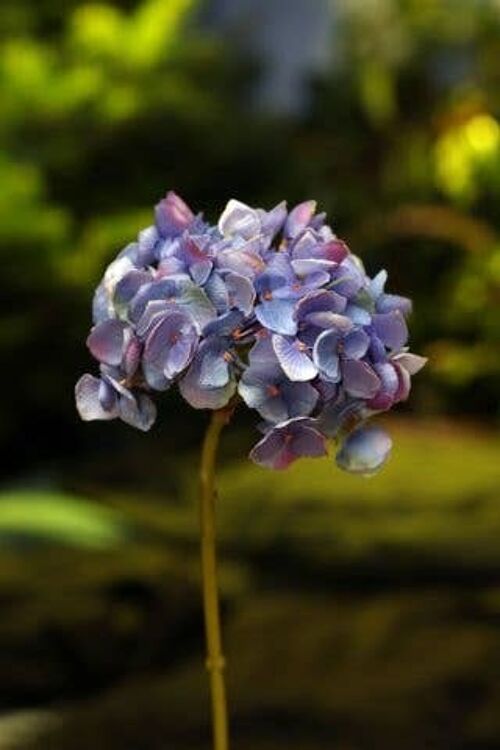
357	613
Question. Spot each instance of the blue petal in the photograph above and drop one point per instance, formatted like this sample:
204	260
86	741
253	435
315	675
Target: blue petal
356	343
364	451
325	355
277	315
296	363
138	411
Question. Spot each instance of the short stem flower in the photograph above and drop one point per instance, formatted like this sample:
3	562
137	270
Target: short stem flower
215	659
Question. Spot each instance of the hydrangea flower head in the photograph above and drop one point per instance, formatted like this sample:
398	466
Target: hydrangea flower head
267	307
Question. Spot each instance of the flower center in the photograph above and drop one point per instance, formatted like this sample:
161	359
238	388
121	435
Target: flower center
273	390
227	357
267	295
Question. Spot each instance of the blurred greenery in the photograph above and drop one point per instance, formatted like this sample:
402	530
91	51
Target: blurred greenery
359	614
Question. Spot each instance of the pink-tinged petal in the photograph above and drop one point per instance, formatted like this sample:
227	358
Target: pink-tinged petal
391	329
359	379
412	363
173	216
364	451
272	452
404	384
107	340
88	401
239	219
299	217
309	443
296	363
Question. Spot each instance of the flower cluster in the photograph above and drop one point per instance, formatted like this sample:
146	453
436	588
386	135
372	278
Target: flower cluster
267	306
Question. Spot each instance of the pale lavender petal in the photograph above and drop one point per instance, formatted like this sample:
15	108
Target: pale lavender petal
359	379
391	329
278	316
225	324
107	340
412	363
387	303
364	451
88	403
241	292
238	218
296	363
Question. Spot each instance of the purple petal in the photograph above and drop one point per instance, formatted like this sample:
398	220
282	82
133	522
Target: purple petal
277	315
364	451
169	349
359	379
391	329
88	402
320	301
296	363
107	341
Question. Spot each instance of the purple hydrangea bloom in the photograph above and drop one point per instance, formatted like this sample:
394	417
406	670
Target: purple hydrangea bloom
267	307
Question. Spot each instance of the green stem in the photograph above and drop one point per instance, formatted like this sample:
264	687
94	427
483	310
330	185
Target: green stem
215	659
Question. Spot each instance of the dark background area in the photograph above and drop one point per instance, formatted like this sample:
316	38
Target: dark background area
358	614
